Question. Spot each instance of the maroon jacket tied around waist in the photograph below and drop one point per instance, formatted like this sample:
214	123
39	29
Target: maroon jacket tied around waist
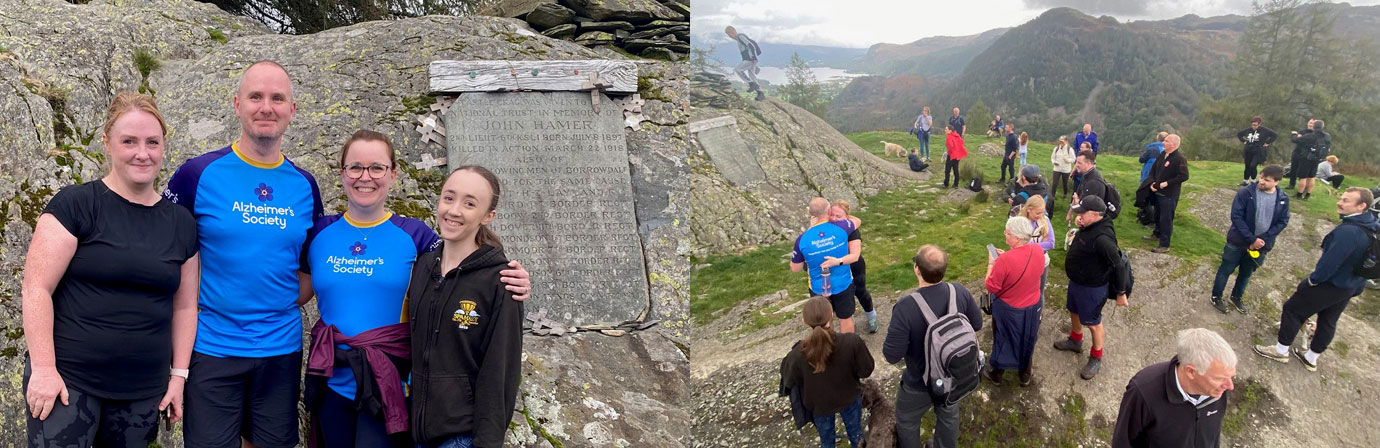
376	345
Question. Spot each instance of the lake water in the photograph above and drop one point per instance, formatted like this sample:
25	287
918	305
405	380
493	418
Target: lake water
777	75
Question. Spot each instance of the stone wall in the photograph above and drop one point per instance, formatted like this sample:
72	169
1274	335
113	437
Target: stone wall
61	63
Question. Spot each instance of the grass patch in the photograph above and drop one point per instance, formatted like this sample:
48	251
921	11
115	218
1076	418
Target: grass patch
146	63
217	36
1243	401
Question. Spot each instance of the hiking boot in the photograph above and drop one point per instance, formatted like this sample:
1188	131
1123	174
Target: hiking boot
1160	250
761	95
1307	196
1243	183
1027	376
1069	345
1091	368
1268	351
1217	303
1150	237
1239	305
993	375
1372	284
753	87
872	323
1298	353
1298	196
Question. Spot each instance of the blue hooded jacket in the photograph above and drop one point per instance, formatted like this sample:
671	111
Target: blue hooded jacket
1343	249
1152	151
1242	232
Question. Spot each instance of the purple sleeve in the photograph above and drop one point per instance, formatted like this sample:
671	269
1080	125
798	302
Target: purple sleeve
423	237
1048	242
317	210
797	257
304	264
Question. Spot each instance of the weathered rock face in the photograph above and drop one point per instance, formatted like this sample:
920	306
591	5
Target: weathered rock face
648	28
801	156
62	63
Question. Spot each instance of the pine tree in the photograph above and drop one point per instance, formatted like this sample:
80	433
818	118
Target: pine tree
802	89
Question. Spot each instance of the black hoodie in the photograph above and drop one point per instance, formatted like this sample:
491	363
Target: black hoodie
466	348
1092	256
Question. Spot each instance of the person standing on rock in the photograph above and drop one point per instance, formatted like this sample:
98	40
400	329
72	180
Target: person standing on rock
921	131
1152	152
1257	140
254	209
838	213
829	367
819	249
1013	280
905	340
957	124
1008	159
109	296
747	70
1061	161
1166	182
1259	212
1089	266
953	153
1180	402
1327	291
1086	135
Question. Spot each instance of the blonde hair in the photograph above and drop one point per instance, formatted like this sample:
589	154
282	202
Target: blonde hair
128	101
1332	159
1024	138
1032	204
840	203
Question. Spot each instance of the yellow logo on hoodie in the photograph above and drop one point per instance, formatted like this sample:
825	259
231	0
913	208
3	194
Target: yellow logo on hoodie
466	316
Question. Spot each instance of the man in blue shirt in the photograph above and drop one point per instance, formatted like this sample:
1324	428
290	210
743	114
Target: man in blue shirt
1085	135
825	245
956	122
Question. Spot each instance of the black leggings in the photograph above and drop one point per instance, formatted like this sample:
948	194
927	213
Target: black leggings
1253	159
859	269
1008	165
1060	179
344	426
93	421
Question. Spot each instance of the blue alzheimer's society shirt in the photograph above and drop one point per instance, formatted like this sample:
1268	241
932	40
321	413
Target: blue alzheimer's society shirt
360	271
825	240
252	220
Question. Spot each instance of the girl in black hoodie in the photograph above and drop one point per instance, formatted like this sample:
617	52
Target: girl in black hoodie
467	334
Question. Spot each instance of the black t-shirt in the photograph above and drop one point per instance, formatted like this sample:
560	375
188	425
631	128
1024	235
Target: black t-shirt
112	309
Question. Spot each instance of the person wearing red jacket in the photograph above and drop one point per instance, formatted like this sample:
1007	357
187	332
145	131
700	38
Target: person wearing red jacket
955	152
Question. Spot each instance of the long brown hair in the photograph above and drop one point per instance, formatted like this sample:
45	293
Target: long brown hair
820	343
486	235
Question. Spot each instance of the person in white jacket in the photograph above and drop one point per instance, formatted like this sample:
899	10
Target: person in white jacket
1062	158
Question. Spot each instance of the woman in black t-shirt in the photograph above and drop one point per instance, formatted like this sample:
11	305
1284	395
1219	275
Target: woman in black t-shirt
110	288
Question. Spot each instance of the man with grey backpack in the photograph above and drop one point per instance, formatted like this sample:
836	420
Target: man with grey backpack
934	329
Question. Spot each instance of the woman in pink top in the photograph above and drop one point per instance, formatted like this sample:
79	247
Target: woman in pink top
1013	279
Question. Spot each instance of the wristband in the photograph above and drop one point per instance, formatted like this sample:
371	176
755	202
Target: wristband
179	372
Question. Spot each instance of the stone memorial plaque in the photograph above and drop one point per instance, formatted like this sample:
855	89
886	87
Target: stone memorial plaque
731	155
566	210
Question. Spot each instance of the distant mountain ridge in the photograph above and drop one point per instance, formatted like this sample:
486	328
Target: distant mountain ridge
939	56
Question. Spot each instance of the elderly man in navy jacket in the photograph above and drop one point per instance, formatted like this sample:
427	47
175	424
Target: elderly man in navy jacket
1332	284
1179	403
1259	213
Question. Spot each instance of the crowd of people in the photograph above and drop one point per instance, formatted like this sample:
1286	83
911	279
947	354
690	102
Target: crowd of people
1179	402
184	305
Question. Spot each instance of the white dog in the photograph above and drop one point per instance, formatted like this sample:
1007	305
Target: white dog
892	147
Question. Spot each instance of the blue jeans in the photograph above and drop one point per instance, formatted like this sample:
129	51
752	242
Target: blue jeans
460	441
852	422
924	137
1234	257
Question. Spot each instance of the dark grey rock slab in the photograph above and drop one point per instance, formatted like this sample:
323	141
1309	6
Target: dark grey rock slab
731	155
548	15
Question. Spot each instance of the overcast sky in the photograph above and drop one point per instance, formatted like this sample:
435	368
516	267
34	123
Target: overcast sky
861	23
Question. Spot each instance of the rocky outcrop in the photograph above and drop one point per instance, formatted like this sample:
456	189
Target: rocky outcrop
801	157
642	28
61	63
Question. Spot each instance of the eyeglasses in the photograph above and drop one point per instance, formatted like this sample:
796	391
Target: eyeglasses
375	171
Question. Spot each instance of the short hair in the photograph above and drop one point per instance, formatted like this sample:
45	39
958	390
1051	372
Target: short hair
1086	144
1256	119
948	127
1161	136
1365	195
1332	159
1318	125
819	207
1198	347
932	262
1088	154
240	85
365	135
1019	227
1273	171
730	29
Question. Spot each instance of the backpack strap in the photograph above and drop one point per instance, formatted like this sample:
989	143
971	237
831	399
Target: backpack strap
930	318
953	299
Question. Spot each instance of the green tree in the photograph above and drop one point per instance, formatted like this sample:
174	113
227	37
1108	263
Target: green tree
802	89
977	118
702	60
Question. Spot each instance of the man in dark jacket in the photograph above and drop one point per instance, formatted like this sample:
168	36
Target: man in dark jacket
1179	403
1008	160
1313	147
1332	284
1166	181
1257	140
747	70
1259	213
956	122
905	339
1089	265
1027	185
916	163
1092	184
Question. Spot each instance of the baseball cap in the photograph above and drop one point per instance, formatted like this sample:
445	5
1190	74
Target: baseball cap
1091	204
1030	171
